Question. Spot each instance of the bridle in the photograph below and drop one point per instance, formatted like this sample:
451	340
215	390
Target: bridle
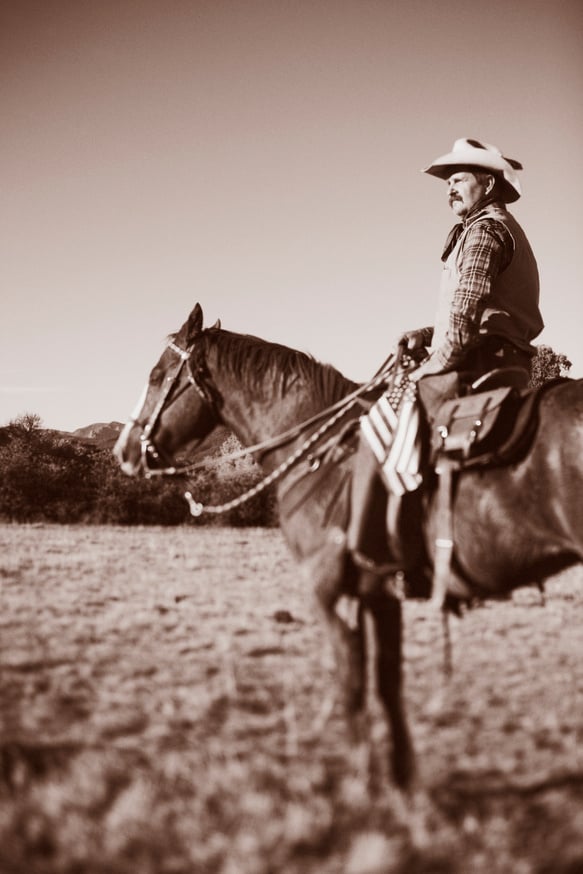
195	376
198	378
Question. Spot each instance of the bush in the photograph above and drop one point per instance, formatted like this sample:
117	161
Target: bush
547	365
44	478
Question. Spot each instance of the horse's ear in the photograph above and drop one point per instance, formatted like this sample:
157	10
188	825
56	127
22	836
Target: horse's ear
195	321
216	326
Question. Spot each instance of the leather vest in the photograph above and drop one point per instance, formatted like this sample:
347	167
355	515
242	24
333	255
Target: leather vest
512	310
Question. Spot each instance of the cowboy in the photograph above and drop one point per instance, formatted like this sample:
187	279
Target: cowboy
488	311
487	316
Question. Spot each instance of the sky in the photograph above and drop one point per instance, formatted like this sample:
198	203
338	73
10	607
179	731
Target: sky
263	158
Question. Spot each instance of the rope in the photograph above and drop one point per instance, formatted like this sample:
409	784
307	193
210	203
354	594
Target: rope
197	508
281	439
339	409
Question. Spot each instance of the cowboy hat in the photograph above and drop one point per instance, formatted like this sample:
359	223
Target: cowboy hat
472	153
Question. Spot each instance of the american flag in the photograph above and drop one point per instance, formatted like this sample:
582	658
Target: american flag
391	427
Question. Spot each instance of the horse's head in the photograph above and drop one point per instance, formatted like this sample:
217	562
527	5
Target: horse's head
178	405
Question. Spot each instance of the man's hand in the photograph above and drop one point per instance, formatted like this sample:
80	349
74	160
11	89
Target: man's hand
413	340
416	374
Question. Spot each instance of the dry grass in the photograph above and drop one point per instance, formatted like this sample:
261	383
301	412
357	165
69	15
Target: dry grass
161	690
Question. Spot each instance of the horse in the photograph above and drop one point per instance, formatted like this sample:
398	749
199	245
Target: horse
513	525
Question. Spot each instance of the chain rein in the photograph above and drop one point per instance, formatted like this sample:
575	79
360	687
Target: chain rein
197	508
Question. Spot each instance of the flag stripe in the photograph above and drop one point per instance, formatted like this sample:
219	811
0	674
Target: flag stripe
391	428
377	446
381	426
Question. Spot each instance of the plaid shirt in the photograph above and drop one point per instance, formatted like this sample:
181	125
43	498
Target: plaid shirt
487	250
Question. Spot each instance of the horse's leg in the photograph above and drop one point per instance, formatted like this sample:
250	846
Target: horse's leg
347	641
387	618
329	572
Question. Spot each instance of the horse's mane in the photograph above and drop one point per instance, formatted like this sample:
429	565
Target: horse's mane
263	365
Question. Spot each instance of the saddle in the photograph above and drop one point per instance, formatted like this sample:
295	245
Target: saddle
492	425
486	426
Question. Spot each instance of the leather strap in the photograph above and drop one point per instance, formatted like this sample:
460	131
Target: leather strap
444	534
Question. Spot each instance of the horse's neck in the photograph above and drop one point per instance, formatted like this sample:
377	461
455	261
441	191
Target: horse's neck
255	417
268	405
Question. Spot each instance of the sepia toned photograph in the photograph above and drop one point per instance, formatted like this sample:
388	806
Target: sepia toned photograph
291	437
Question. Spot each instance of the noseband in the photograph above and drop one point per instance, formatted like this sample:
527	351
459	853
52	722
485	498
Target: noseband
149	451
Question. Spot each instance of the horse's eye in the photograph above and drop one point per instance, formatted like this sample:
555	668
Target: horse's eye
156	376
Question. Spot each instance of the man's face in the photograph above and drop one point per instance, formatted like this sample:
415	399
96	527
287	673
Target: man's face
465	190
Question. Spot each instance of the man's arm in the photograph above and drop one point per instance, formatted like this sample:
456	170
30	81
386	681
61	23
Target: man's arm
487	250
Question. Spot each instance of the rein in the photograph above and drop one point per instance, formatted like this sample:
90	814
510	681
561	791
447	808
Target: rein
389	367
338	410
334	414
197	509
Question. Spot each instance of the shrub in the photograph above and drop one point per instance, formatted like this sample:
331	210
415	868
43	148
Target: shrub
48	478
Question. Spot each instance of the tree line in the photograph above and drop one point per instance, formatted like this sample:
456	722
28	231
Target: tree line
46	476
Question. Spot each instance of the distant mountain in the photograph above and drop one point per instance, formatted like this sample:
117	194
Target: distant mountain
98	436
101	434
215	449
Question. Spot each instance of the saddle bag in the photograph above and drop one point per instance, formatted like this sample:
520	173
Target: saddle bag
466	426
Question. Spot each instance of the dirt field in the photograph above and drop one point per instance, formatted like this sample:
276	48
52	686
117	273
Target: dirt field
163	712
